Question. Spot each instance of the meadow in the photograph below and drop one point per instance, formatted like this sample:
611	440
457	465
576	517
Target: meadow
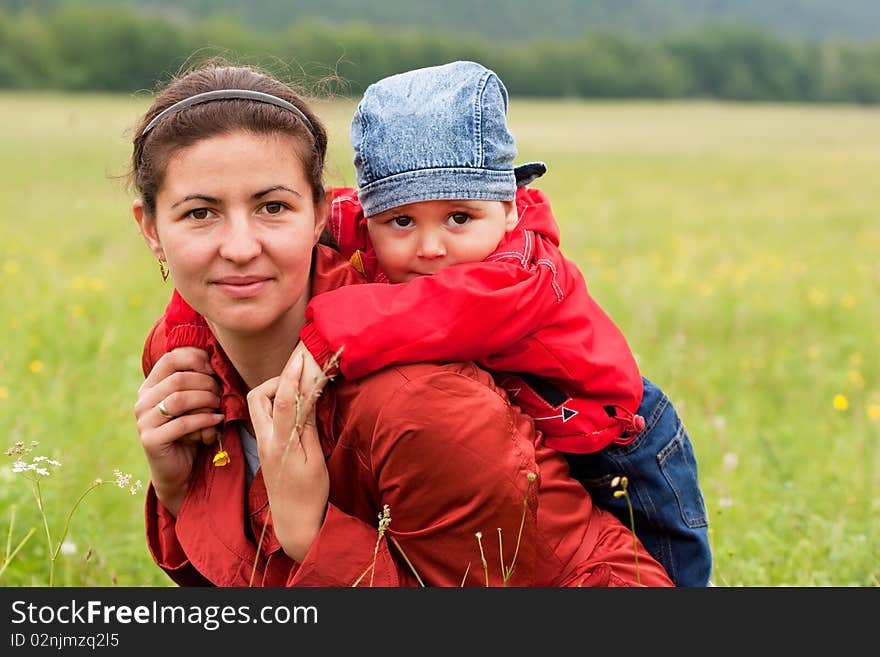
735	245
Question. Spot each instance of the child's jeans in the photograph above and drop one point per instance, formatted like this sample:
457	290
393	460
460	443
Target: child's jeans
669	513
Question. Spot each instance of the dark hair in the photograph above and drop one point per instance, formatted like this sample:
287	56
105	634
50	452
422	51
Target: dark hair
194	123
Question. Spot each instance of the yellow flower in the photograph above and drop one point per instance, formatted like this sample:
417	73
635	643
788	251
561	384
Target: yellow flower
36	366
77	311
873	412
816	296
813	352
855	377
135	301
221	458
4	392
840	402
10	267
847	301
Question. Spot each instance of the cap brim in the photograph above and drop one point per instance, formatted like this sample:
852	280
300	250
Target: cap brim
526	173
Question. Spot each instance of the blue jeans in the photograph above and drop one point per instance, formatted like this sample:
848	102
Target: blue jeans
669	513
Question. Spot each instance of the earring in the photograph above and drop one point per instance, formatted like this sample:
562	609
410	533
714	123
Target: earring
163	269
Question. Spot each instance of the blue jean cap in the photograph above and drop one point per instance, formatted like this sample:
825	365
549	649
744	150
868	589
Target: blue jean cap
436	133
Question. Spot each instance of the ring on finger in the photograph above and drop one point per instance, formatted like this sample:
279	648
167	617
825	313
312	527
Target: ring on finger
164	411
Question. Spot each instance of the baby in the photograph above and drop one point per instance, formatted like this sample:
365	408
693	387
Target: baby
475	271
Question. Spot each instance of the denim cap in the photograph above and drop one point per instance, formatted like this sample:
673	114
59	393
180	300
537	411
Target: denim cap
436	133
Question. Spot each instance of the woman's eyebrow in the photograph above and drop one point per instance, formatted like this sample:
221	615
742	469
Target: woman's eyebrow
197	197
275	189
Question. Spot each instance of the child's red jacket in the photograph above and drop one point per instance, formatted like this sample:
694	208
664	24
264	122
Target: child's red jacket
523	313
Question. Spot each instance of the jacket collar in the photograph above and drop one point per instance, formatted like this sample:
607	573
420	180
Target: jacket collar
185	327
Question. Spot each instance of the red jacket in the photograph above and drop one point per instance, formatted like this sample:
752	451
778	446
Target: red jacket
523	313
393	438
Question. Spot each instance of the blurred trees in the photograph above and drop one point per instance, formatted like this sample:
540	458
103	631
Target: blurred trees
116	48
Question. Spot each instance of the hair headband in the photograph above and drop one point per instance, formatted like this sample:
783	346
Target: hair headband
227	94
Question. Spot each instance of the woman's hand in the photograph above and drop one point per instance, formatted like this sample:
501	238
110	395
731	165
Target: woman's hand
182	382
294	469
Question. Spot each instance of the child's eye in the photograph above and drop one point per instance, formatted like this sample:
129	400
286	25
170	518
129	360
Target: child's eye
458	219
402	221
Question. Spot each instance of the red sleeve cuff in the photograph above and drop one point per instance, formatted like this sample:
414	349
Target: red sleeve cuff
317	346
342	552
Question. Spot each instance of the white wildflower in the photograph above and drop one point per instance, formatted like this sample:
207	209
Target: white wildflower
68	547
730	461
122	480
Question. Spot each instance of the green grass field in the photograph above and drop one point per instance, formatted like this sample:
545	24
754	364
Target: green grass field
735	245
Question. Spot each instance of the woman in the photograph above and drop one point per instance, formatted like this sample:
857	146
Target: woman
231	200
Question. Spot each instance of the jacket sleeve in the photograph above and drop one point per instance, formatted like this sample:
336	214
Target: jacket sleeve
465	312
161	537
348	552
164	546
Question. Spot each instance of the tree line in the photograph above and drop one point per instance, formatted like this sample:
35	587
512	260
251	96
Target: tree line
119	49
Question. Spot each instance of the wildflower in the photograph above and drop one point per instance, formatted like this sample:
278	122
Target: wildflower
873	412
816	297
68	547
384	519
840	402
10	267
855	377
4	392
36	366
730	461
123	481
847	301
77	311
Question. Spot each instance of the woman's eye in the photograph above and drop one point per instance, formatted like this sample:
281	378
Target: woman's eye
459	218
274	208
402	222
199	213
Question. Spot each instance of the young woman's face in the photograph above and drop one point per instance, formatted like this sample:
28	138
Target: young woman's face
236	221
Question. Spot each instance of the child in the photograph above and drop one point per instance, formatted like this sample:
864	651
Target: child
472	254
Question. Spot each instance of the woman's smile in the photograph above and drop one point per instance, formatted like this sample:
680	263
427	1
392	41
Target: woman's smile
242	287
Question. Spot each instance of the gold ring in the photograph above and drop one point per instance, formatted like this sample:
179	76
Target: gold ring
163	410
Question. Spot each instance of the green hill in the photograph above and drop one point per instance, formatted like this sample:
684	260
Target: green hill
509	20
